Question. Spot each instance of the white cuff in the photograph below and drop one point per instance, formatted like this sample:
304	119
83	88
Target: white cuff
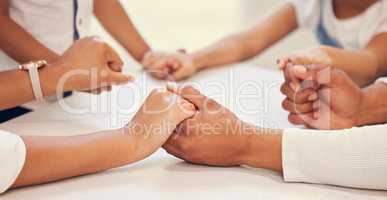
12	158
382	80
351	158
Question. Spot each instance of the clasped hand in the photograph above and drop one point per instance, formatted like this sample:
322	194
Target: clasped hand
319	96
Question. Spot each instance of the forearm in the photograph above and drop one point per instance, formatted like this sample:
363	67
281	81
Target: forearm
16	87
249	43
361	66
264	149
56	158
374	107
115	20
20	45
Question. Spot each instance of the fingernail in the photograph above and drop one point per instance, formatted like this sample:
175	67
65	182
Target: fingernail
316	105
313	97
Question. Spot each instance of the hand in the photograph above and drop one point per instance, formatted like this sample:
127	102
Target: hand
155	121
174	66
91	64
212	137
156	64
334	102
311	56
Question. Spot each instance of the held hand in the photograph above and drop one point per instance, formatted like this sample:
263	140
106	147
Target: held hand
174	66
155	121
333	103
311	56
156	64
212	137
92	64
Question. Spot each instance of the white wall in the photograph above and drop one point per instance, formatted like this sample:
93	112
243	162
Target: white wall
172	24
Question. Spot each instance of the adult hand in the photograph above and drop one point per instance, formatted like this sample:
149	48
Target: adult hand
91	64
155	121
174	66
214	136
335	105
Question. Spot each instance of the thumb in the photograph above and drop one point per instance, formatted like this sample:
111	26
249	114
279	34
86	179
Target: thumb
193	96
179	74
114	61
304	72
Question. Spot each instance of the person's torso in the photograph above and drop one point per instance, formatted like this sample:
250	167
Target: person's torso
51	22
352	33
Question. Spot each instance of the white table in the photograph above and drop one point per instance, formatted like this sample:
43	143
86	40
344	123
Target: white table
252	92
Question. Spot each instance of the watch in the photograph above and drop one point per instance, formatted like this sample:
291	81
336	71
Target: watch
33	70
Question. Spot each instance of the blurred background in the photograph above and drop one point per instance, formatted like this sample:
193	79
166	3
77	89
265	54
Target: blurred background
192	24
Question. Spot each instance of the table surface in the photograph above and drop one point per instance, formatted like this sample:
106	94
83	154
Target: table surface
250	91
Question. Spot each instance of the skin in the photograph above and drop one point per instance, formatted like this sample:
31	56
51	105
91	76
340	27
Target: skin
14	40
100	66
340	103
234	48
363	66
245	45
223	139
110	13
114	19
207	139
97	152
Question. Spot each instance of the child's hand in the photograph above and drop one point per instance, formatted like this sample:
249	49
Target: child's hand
155	63
91	65
335	104
156	120
173	66
311	56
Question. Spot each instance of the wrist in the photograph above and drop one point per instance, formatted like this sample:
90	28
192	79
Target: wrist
50	76
372	109
264	149
360	116
197	61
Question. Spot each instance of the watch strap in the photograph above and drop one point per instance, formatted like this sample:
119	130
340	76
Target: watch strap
35	82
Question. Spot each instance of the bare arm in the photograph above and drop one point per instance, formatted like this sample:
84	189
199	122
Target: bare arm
14	40
16	88
72	71
115	20
78	155
373	109
362	66
56	158
249	43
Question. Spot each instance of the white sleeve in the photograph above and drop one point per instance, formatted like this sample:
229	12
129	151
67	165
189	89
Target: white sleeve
382	21
382	80
308	12
351	158
12	157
